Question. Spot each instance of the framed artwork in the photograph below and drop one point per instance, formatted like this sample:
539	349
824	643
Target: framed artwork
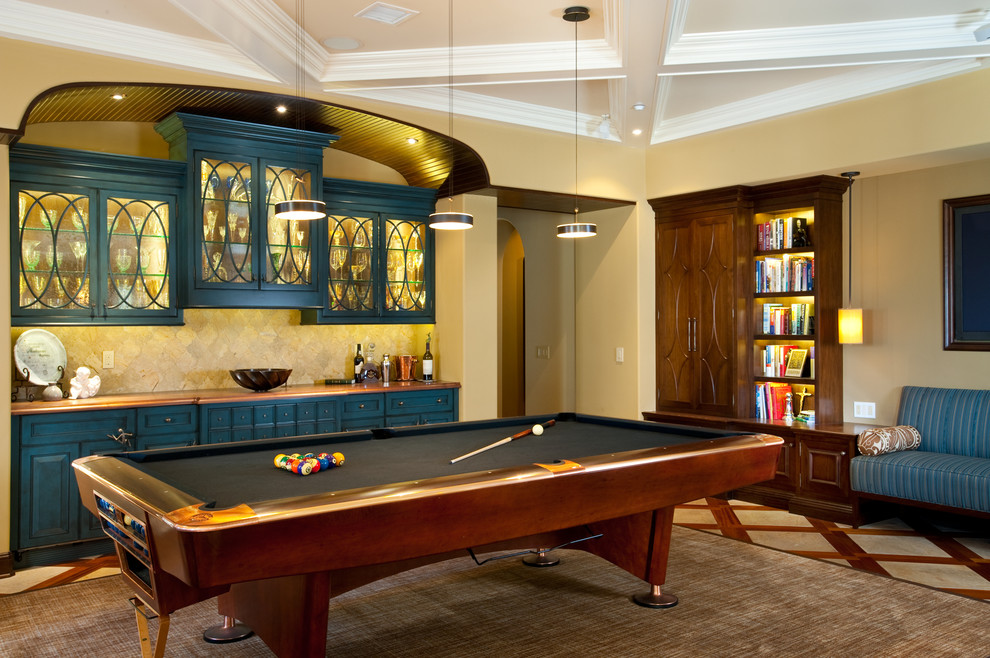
965	245
795	363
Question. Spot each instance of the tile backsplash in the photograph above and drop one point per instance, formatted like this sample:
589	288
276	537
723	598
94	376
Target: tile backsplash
198	354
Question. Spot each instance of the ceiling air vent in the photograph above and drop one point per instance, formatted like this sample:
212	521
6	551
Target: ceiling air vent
386	13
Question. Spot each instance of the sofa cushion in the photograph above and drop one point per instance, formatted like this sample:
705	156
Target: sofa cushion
927	477
881	440
950	420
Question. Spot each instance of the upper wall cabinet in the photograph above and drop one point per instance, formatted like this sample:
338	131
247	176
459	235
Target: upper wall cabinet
380	265
94	237
238	254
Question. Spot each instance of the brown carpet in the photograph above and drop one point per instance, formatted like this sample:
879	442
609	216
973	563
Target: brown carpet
736	600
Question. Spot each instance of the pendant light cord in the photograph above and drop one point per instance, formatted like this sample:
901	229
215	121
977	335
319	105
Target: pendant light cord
450	101
850	176
575	120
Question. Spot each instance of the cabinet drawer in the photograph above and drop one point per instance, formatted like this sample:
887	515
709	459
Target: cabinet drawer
218	418
166	420
420	402
305	412
264	414
75	426
326	410
362	406
285	413
242	416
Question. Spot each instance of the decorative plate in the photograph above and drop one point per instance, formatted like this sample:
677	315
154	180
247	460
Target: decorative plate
40	357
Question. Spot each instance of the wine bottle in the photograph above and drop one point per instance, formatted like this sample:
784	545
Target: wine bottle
428	361
358	364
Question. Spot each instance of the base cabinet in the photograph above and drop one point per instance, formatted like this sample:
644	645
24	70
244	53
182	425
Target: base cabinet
45	508
813	470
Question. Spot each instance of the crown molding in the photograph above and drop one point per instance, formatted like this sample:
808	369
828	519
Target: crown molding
868	37
487	107
848	86
498	59
65	29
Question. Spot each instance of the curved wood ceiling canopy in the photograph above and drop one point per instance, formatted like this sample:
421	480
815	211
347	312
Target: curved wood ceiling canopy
424	164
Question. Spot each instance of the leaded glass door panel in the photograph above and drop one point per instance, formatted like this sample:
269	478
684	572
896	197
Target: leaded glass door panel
352	262
54	237
289	247
138	233
405	271
226	254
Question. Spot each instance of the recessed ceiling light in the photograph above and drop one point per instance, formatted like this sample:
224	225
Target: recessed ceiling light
639	106
637	132
386	13
119	97
281	109
412	140
341	43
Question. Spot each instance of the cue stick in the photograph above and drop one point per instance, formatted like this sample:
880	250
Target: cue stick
508	439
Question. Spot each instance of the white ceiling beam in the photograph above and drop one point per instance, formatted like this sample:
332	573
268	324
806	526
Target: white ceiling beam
263	32
64	29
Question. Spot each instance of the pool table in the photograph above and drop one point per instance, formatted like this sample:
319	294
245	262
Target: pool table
222	520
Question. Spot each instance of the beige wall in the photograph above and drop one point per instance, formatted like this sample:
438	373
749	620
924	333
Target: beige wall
511	322
898	280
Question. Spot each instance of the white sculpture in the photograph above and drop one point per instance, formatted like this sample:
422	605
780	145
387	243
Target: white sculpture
84	384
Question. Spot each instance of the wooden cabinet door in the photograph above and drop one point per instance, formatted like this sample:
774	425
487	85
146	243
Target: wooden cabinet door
713	339
695	301
824	467
676	299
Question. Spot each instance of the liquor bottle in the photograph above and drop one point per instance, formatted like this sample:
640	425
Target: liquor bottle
358	364
428	361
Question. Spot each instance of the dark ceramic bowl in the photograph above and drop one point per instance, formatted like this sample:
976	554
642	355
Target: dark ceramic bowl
261	379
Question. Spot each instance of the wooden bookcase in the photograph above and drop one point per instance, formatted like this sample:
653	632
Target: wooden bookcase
818	201
711	361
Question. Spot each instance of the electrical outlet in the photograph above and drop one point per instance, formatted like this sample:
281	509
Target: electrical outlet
108	359
620	355
865	409
542	351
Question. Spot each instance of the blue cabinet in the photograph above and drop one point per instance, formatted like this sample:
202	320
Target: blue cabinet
93	239
421	407
379	264
47	508
265	419
239	255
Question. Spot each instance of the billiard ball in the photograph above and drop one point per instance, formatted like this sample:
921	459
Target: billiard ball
280	459
537	429
339	458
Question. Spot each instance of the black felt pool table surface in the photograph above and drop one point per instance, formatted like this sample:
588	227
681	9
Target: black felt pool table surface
226	475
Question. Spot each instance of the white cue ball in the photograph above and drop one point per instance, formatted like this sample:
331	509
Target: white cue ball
537	429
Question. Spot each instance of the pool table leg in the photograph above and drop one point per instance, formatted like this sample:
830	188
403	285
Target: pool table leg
289	613
640	544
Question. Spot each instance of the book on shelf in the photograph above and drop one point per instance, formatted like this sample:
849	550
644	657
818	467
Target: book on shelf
793	319
785	273
775	359
771	400
780	232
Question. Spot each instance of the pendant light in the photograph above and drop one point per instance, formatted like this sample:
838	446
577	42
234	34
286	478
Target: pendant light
451	220
576	229
850	319
300	209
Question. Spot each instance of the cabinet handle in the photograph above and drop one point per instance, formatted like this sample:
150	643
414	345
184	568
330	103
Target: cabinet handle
401	403
361	406
439	400
168	420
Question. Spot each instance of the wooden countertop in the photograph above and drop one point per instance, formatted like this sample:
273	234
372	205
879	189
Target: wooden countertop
766	426
209	396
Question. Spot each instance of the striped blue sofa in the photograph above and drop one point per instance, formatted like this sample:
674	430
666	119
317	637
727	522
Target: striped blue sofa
951	467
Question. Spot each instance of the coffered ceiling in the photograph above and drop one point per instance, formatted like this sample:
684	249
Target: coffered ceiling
695	66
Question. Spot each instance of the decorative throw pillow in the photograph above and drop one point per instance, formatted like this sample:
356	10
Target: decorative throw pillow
881	440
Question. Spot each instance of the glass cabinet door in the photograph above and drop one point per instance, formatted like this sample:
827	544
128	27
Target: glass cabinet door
352	262
405	271
289	246
138	233
226	254
54	236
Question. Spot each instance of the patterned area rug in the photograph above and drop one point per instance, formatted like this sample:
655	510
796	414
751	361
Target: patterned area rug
735	599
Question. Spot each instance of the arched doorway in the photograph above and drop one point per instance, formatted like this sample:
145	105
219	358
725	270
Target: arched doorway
511	322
